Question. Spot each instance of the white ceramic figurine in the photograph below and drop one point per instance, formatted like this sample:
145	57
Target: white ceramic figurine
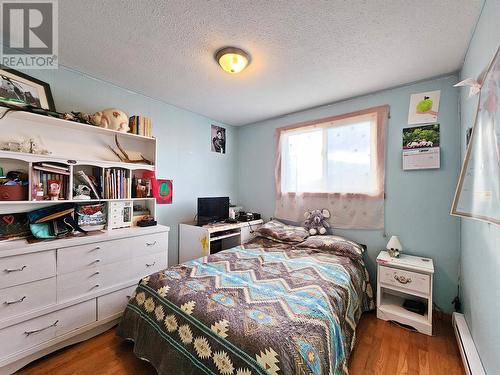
111	118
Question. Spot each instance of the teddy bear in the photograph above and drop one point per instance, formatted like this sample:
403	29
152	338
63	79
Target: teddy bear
315	222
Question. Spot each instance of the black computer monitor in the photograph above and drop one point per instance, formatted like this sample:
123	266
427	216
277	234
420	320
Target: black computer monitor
211	210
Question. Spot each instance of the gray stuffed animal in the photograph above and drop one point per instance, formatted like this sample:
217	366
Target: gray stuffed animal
316	222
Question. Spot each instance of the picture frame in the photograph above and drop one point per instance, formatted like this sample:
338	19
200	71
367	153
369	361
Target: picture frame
20	89
218	139
477	195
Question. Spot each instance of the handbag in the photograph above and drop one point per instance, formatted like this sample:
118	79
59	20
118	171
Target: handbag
54	221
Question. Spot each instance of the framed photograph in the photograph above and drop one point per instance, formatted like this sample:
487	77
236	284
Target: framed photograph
424	107
218	136
20	89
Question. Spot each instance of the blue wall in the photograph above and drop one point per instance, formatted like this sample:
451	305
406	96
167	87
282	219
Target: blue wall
418	202
183	142
480	260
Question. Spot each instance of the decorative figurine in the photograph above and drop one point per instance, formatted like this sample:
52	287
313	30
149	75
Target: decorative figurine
111	118
82	192
394	247
80	117
54	189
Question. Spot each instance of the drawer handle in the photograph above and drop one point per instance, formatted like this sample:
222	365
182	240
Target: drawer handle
95	286
9	270
13	302
151	243
96	248
27	333
96	273
128	297
150	264
96	261
402	279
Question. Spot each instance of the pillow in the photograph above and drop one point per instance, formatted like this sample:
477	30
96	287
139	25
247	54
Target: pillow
335	244
277	231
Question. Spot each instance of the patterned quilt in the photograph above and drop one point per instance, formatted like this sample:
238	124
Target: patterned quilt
261	308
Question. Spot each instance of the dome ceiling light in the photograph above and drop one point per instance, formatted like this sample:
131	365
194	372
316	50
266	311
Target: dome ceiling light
233	60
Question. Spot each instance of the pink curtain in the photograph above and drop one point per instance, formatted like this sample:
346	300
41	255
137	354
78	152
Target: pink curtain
348	210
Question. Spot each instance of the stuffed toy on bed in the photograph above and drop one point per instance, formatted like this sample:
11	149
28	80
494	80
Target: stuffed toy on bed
315	222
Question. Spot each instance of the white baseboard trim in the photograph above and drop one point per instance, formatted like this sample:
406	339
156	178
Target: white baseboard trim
468	351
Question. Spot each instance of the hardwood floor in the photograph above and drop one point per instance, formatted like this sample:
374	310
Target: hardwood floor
381	348
384	348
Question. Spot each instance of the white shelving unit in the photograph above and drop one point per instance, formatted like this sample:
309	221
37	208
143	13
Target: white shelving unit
68	290
77	146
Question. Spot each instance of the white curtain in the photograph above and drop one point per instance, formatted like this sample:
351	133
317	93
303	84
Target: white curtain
336	163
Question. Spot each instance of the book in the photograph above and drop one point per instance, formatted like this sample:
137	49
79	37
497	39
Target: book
50	169
54	166
141	125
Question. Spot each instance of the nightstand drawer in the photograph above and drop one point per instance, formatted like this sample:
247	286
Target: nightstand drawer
405	279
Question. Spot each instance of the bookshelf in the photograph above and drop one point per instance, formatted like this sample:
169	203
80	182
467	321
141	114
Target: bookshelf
78	152
82	282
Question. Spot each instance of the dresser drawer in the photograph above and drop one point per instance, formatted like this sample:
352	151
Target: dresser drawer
146	265
75	258
148	244
23	298
113	303
405	279
73	284
116	273
33	332
20	269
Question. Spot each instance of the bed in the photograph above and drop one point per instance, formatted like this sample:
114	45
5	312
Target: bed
272	306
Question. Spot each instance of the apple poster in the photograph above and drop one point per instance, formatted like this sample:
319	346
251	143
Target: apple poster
424	107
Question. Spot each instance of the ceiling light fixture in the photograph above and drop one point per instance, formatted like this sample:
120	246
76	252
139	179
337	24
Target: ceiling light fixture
233	60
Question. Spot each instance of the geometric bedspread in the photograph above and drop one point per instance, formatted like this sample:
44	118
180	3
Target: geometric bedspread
262	308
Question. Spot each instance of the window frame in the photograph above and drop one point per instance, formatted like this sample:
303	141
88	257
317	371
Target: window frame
378	145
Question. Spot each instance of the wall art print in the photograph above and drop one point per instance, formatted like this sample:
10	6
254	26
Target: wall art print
164	191
218	139
424	107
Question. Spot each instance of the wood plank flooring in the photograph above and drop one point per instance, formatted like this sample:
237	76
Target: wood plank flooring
381	348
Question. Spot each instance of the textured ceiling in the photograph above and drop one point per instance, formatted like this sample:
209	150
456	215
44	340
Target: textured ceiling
304	52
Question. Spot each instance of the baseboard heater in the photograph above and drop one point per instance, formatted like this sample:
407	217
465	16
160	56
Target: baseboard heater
468	351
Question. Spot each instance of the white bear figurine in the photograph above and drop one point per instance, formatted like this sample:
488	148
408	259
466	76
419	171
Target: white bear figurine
111	118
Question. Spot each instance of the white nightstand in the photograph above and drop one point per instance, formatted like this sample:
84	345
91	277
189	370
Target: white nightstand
406	277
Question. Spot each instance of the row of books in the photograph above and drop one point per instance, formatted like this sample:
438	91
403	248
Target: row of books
116	184
141	125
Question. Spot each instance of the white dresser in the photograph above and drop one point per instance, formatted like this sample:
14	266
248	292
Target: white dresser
57	293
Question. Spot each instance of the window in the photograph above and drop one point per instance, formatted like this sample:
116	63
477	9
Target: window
336	163
336	156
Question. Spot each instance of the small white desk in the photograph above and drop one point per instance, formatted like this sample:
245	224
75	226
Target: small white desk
198	241
406	277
